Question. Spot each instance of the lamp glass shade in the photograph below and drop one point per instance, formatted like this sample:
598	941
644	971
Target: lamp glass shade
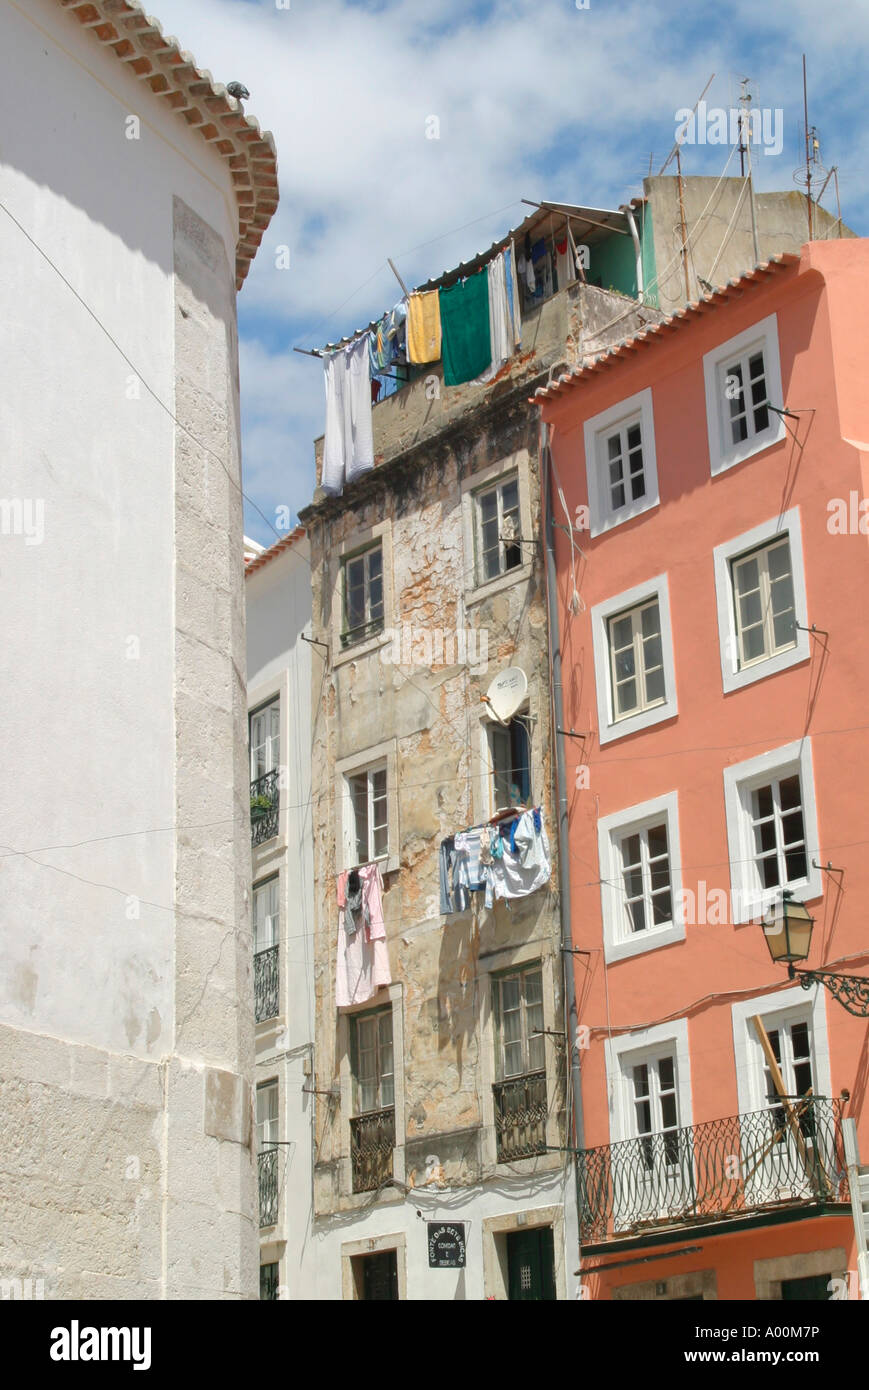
788	930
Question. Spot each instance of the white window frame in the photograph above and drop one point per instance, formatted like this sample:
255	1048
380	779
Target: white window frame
367	760
747	900
610	728
361	1019
496	487
368	773
619	943
783	1006
635	409
271	885
632	1049
363	555
493	729
764	336
498	979
272	1086
777	528
272	744
512	465
365	538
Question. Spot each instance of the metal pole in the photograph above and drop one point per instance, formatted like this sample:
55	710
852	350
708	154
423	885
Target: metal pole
808	160
572	1020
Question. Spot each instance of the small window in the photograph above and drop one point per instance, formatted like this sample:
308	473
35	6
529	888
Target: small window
510	749
745	394
743	385
655	1110
372	1061
625	477
645	873
265	740
269	1282
763	600
370	814
266	1116
778	832
636	660
497	530
363	596
620	464
266	915
519	1022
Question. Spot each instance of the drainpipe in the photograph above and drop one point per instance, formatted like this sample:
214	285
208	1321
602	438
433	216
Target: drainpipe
629	214
572	1020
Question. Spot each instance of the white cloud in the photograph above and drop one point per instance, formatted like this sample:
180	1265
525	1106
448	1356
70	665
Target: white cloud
535	98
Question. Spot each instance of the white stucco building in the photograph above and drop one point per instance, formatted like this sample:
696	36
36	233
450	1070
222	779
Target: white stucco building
278	608
134	194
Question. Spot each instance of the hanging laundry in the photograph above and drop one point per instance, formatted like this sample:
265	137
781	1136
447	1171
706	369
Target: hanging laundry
348	446
564	266
424	327
513	294
538	250
467	344
445	866
467	845
363	958
500	319
395	323
378	347
515	875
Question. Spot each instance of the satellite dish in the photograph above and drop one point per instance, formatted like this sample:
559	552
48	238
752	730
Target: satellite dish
506	693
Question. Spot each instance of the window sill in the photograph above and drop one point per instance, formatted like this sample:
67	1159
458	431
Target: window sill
635	723
748	449
611	521
480	592
750	903
771	666
364	647
642	943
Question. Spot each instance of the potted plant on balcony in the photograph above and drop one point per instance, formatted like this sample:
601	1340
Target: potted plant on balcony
260	805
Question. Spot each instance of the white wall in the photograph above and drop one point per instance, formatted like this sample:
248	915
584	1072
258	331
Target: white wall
278	606
88	804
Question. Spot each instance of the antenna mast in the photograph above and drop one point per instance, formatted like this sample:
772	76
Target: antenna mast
808	156
745	149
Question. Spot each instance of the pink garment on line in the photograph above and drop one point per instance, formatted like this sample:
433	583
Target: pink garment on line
363	958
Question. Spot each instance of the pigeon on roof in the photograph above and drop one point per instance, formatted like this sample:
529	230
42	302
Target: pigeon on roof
238	90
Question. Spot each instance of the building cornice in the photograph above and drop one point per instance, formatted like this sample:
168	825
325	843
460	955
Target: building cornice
159	62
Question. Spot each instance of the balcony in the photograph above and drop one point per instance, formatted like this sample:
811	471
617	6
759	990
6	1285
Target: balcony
520	1117
372	1140
267	1163
754	1165
265	796
266	984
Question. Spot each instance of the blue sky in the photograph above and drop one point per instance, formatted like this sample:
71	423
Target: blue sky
534	98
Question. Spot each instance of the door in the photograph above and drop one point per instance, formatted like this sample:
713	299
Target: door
653	1175
379	1276
795	1157
813	1287
531	1265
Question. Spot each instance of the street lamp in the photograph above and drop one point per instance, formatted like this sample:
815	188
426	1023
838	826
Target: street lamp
787	926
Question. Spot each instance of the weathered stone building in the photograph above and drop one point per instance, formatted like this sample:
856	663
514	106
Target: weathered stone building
399	721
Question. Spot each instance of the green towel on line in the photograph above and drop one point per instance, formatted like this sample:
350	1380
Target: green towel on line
467	345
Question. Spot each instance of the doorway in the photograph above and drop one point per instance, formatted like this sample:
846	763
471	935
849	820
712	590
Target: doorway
531	1264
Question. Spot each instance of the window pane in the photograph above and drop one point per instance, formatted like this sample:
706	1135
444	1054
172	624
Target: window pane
359	798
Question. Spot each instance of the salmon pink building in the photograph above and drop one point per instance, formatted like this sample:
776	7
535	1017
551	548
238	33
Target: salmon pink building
712	574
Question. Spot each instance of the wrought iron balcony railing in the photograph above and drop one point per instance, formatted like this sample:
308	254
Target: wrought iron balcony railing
372	1141
520	1116
267	1163
265	796
709	1172
266	984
